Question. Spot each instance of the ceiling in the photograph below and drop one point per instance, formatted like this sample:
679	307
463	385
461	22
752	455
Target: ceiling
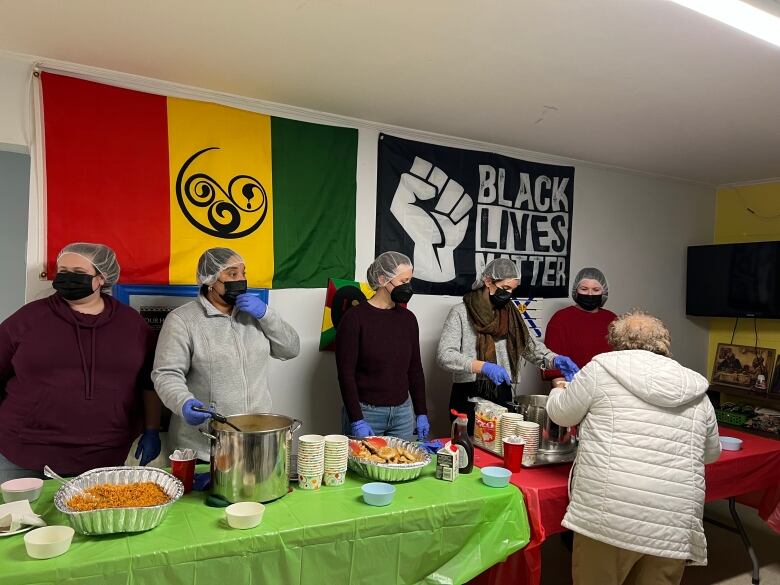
639	84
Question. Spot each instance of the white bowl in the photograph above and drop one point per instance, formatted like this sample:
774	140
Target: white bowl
48	542
730	443
24	488
244	515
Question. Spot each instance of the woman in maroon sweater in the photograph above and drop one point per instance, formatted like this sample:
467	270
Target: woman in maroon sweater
75	374
378	357
580	331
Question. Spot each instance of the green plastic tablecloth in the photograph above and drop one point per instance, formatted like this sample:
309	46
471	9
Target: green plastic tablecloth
432	532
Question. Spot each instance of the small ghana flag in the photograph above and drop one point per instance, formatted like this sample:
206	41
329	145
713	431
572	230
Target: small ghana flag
161	179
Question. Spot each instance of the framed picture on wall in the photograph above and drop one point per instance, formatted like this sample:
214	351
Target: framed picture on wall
154	302
774	387
743	366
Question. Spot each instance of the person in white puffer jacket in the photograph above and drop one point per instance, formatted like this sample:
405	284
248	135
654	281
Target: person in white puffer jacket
646	429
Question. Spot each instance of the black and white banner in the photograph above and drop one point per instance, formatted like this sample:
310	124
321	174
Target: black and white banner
453	210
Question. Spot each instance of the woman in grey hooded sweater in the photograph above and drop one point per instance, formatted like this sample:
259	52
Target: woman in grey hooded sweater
215	350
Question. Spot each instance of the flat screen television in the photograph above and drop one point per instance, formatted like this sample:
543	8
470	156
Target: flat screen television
734	280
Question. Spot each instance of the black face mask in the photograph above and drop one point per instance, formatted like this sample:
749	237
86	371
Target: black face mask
73	286
402	293
233	288
500	298
588	302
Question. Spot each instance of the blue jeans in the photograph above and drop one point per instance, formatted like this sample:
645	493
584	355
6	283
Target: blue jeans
387	421
10	470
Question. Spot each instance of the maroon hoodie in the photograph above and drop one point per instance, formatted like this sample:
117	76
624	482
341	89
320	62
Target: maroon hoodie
72	384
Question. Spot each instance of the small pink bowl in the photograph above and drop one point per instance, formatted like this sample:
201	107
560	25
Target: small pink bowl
24	488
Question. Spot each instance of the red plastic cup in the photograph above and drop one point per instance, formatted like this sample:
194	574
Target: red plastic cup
184	471
513	454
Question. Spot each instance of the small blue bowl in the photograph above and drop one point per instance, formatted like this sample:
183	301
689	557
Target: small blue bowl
730	443
378	494
496	476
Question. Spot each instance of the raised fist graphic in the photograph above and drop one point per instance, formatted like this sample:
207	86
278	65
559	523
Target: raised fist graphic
435	233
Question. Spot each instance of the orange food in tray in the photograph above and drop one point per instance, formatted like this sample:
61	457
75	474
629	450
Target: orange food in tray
131	495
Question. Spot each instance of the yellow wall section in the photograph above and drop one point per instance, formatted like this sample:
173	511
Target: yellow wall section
735	224
244	148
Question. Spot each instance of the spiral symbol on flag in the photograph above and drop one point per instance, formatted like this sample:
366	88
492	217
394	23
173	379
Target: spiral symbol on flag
234	212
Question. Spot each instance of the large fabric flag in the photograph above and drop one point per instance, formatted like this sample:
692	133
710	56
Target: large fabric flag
161	179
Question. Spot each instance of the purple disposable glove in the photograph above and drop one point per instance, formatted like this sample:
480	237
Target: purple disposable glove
252	305
497	374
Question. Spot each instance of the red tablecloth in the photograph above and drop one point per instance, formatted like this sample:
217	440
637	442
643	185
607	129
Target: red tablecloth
752	473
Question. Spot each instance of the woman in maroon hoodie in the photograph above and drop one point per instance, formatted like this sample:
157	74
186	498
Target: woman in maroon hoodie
75	374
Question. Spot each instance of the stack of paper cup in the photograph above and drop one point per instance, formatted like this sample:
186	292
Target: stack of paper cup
336	455
530	432
311	461
507	427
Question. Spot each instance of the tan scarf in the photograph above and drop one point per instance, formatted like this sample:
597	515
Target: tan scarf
492	324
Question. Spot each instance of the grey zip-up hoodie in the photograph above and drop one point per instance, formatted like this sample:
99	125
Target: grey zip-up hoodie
205	354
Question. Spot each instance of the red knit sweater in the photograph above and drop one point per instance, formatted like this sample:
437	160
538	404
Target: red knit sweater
577	334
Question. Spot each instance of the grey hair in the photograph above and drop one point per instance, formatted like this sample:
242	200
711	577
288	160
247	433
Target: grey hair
640	330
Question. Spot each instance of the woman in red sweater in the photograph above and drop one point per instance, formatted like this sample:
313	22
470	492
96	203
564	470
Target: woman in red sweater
580	331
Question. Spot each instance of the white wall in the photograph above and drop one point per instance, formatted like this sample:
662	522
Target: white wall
632	226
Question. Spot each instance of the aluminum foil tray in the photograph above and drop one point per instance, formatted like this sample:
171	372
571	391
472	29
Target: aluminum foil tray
111	520
390	472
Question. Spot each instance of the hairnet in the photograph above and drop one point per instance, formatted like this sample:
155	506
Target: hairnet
591	273
101	257
386	264
213	261
498	269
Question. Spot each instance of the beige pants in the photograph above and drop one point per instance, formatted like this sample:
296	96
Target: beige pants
598	563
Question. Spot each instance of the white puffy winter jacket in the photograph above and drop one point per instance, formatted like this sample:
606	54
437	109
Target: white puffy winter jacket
646	430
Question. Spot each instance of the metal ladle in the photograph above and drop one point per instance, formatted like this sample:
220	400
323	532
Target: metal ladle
217	417
51	474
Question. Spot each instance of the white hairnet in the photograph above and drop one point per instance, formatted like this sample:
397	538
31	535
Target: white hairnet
213	261
386	264
591	273
101	257
498	269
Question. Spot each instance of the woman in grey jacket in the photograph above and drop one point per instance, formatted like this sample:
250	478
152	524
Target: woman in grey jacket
216	348
484	341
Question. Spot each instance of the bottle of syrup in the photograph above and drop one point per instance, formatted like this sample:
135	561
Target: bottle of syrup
461	439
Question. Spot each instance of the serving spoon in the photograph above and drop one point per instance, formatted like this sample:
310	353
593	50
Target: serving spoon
217	417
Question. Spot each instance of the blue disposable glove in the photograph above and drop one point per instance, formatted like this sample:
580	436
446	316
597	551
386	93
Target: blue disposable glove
202	481
432	447
497	374
567	367
360	429
190	416
423	426
148	446
252	305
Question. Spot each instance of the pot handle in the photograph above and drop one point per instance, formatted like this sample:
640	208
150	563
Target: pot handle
208	435
296	424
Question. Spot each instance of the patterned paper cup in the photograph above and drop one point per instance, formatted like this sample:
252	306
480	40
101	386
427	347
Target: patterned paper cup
309	482
334	478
